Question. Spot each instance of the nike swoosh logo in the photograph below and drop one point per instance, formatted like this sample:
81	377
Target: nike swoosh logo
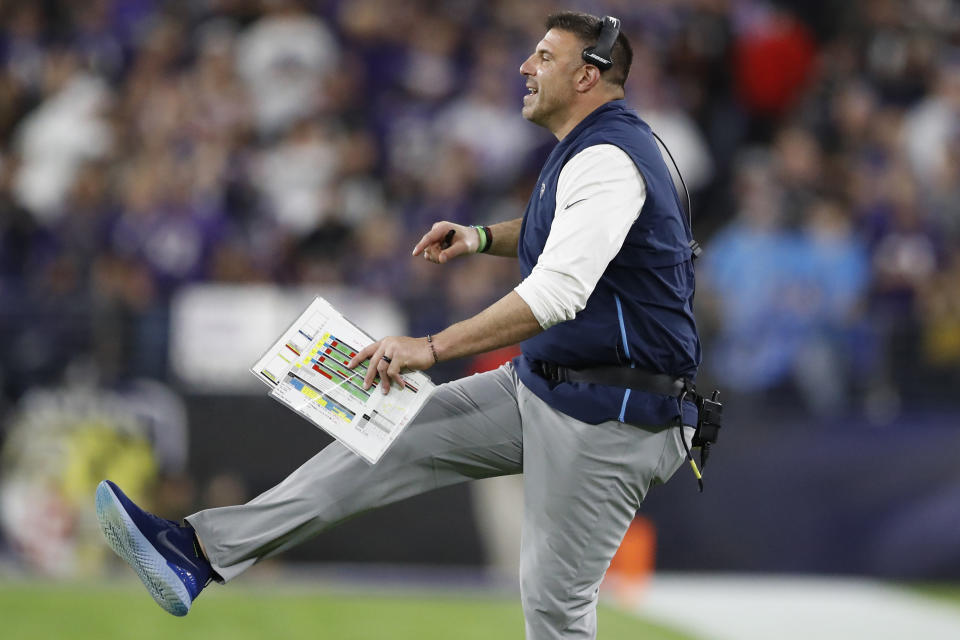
167	544
573	203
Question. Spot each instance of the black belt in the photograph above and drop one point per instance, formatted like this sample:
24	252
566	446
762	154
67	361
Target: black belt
624	377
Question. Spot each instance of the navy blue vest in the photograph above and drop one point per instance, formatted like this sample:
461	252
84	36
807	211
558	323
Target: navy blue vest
640	314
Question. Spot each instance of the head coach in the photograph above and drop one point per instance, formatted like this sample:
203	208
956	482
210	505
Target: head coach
590	413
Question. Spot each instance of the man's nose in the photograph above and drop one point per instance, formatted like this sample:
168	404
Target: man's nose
526	68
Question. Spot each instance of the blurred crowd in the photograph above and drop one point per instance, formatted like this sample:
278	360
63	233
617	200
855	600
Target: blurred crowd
146	145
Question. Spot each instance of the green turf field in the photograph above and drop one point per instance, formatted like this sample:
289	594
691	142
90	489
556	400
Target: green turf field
945	592
37	610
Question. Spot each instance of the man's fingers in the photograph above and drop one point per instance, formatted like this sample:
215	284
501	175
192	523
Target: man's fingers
393	372
364	353
444	256
423	244
434	236
386	367
430	251
435	255
372	370
383	369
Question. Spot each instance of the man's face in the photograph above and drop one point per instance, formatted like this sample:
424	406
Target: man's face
550	73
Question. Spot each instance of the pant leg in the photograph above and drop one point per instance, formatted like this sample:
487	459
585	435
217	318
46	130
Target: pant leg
583	484
467	429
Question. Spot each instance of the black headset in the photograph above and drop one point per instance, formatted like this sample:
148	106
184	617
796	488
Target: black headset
601	54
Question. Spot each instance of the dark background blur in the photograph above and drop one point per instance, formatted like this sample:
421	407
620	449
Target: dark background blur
153	152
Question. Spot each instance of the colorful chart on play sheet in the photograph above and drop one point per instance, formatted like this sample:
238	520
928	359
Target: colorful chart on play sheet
306	369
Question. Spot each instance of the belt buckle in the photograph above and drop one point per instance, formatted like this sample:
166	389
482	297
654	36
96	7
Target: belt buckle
542	369
549	370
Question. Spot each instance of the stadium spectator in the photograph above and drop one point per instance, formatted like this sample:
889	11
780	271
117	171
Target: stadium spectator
66	129
283	58
933	123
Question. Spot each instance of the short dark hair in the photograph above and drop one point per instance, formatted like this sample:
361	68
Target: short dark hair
587	29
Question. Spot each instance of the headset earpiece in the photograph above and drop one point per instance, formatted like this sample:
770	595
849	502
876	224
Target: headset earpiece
601	54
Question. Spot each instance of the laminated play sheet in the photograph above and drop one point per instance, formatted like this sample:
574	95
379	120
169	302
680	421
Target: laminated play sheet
306	370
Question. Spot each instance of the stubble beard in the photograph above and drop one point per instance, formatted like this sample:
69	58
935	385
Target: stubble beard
529	112
537	112
548	109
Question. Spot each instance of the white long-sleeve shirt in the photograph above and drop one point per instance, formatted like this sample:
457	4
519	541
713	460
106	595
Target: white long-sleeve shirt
599	196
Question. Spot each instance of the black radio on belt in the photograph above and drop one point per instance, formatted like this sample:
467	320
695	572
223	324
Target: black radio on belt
709	421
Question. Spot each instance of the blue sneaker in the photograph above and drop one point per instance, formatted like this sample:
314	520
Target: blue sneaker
162	552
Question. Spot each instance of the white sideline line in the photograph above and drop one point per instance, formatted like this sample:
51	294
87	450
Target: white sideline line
741	607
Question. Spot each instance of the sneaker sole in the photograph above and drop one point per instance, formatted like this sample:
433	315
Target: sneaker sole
127	542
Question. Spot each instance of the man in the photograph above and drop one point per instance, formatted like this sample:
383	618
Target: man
608	286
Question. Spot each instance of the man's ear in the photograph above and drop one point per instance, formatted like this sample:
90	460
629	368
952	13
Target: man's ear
587	77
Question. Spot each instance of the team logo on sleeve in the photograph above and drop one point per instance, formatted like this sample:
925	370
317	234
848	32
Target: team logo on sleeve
543	187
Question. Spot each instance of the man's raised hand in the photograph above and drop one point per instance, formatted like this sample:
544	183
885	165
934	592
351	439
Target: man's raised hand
439	247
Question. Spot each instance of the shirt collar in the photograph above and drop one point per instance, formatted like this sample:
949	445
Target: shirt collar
593	116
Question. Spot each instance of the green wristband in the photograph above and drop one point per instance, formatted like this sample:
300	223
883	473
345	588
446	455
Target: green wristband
482	234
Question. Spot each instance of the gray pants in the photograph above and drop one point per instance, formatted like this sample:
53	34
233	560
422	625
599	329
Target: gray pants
582	486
